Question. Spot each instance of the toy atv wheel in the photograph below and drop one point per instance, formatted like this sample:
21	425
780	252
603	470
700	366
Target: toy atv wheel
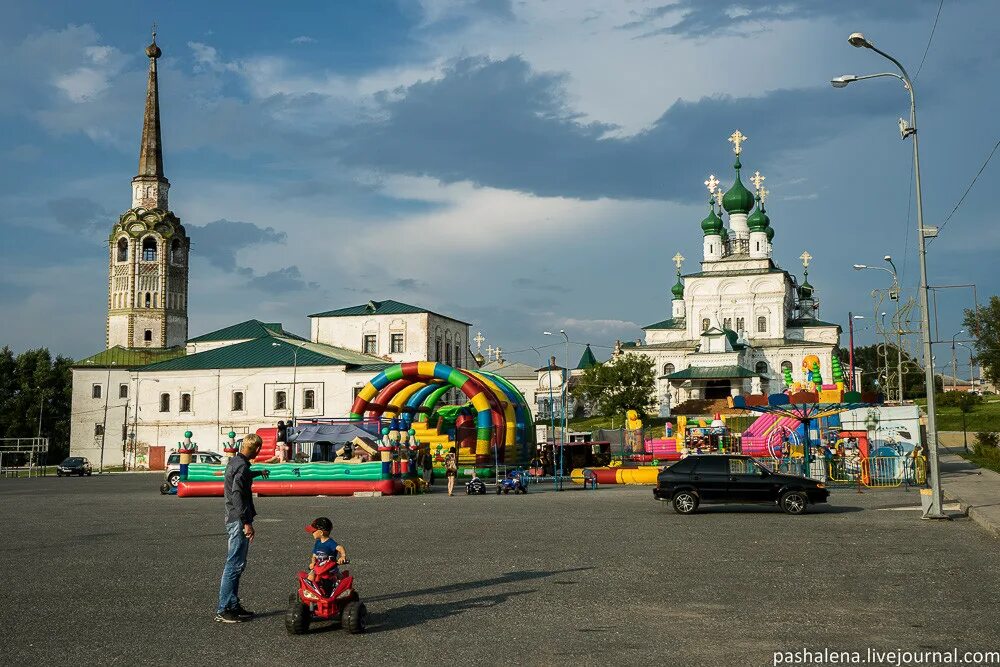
793	502
297	616
165	489
354	618
499	489
685	502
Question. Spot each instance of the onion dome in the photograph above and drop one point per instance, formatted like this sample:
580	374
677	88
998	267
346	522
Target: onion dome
738	199
712	224
770	233
805	289
758	220
678	289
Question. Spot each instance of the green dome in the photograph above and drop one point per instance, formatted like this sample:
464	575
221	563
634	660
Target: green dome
757	222
712	224
678	288
770	233
805	289
738	199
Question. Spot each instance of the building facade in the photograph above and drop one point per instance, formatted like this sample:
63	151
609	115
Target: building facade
740	322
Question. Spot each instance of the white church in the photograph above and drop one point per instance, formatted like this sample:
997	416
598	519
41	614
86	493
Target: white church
133	401
740	321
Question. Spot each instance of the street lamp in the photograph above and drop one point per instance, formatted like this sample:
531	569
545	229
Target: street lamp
565	400
850	325
295	367
858	40
954	362
972	369
893	295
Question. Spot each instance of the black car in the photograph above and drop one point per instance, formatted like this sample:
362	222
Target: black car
74	465
734	479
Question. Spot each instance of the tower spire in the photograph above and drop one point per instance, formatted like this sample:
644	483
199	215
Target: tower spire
149	187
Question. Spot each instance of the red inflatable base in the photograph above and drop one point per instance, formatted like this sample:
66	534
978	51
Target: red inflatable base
388	487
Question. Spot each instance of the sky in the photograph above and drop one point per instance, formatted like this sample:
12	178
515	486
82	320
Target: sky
521	165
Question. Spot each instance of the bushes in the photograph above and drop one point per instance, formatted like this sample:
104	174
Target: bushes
987	442
958	399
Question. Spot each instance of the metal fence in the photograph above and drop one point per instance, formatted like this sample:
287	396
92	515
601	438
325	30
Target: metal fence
23	456
875	472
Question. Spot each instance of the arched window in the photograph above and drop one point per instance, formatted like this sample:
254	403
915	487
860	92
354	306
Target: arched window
786	366
149	249
309	399
237	401
668	369
122	250
176	256
761	368
148	299
185	402
761	324
728	323
148	335
705	324
740	324
280	400
164	402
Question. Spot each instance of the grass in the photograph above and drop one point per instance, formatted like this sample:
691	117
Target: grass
984	417
984	458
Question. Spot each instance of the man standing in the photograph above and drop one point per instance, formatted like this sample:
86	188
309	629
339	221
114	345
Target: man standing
239	526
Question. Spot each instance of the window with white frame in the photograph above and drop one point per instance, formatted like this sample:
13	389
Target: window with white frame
164	402
96	391
705	323
395	343
185	402
370	344
309	399
237	401
123	391
762	324
280	400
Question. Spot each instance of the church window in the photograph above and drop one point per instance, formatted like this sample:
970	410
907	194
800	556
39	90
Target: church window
458	355
237	401
147	335
123	391
740	324
370	344
185	402
309	399
280	400
149	249
668	369
95	391
705	324
761	324
447	354
761	368
176	256
149	299
164	402
727	323
155	299
98	429
437	349
122	250
786	366
396	342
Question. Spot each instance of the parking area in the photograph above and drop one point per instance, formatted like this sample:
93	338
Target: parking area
106	570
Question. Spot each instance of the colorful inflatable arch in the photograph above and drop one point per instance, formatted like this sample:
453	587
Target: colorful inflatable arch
412	389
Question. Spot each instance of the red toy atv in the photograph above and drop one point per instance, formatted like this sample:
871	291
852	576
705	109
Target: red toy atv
331	596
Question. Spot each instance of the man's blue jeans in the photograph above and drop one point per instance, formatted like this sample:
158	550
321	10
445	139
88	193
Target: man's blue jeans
236	562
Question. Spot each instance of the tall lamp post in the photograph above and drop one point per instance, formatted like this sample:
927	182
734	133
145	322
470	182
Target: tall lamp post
295	367
565	400
857	40
850	325
895	295
972	369
954	361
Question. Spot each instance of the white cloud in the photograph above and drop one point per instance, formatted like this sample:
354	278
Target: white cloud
303	39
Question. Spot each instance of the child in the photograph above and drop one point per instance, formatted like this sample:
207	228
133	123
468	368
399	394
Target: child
325	547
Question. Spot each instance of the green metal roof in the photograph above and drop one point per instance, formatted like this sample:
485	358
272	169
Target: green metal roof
587	360
265	353
387	307
124	357
245	330
711	373
666	324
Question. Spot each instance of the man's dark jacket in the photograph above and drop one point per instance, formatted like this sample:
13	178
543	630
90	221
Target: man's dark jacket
237	485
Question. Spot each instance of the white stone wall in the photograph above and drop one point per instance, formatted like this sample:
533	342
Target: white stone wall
88	412
420	334
729	298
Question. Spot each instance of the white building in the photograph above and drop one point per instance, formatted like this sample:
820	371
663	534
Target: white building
545	388
740	321
153	383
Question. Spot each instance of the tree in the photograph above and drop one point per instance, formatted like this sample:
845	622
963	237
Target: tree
33	384
626	382
870	357
983	324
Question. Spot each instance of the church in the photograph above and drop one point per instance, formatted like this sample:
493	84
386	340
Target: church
740	322
152	383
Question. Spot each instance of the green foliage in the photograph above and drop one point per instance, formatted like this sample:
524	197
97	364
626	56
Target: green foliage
31	381
986	452
986	440
870	358
963	400
984	326
627	382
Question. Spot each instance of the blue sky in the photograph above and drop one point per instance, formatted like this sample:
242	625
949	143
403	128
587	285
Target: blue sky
522	165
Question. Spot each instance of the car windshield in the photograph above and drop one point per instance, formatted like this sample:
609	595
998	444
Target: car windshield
72	461
173	458
762	466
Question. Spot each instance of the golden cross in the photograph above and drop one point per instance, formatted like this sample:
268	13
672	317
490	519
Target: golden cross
489	352
737	138
712	183
757	179
497	352
678	260
479	340
764	192
805	257
718	196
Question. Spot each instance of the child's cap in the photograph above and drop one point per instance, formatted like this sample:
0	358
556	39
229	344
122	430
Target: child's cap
322	523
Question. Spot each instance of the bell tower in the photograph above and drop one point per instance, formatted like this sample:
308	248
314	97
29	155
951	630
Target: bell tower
148	248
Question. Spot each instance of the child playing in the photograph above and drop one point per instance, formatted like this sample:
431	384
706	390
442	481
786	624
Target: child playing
326	547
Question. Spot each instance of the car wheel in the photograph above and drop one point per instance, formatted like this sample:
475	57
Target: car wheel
173	478
685	502
355	617
58	474
297	616
793	502
165	489
499	489
89	473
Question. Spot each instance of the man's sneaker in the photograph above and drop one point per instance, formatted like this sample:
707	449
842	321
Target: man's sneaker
242	613
229	616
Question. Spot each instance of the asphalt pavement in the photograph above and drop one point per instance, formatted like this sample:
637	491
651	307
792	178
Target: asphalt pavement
105	570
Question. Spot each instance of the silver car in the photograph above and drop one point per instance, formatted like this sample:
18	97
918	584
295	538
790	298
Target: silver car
174	464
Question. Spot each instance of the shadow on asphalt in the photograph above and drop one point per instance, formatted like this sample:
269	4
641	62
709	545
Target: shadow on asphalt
509	578
767	509
416	614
